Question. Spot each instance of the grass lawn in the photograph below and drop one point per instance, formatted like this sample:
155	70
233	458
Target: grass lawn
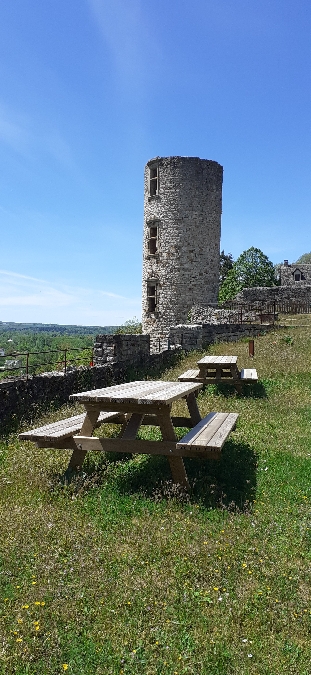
121	573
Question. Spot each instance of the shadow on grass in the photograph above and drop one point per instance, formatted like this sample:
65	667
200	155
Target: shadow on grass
251	390
229	483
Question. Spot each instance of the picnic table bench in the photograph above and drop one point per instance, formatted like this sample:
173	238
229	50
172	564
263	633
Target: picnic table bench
131	405
220	369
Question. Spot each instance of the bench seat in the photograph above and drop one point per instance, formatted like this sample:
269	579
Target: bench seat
191	376
249	375
209	435
64	428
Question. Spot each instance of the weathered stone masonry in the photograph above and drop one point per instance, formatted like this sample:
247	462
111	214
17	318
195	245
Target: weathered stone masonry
182	217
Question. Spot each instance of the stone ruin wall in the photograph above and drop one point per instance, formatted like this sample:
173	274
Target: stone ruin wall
296	293
186	210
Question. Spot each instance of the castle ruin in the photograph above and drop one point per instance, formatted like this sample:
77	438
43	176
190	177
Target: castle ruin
181	241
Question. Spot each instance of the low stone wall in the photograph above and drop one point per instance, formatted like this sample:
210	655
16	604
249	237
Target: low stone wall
120	347
262	294
198	336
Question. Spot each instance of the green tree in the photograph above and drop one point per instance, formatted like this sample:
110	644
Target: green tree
252	268
225	265
130	326
305	258
230	287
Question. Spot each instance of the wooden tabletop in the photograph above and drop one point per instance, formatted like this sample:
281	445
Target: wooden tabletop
139	393
218	360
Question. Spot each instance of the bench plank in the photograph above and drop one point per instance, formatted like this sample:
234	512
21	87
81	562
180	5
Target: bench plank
211	433
63	428
190	376
228	425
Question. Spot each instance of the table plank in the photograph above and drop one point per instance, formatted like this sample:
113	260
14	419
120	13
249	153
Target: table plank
140	393
217	360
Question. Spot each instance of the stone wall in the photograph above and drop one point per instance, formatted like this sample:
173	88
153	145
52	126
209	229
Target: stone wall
134	349
199	336
182	214
262	294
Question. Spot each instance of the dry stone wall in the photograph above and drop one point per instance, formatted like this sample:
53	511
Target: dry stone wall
262	294
190	337
182	218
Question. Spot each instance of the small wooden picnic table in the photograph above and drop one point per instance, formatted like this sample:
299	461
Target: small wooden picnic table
219	369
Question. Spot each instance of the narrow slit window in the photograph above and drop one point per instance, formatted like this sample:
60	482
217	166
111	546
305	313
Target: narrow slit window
297	276
152	297
153	188
153	239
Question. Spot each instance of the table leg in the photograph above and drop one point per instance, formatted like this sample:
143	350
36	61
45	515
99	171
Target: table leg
88	426
236	378
193	408
176	463
132	427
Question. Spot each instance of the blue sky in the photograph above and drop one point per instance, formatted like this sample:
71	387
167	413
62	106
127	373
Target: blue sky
92	89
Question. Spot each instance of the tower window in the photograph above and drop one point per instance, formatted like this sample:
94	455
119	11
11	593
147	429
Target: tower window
153	238
152	296
154	181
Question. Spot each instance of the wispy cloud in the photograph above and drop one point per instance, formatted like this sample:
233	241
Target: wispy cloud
27	138
128	37
13	130
26	299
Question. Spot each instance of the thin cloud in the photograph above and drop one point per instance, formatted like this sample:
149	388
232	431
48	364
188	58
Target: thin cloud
22	135
127	35
26	299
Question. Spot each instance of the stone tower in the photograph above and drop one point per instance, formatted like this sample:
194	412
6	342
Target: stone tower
182	215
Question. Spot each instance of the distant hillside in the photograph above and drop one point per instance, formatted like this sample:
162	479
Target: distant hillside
9	326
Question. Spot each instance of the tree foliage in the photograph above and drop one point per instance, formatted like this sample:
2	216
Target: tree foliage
305	258
252	268
130	327
225	265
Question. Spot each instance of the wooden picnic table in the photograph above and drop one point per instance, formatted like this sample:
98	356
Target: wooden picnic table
220	369
133	404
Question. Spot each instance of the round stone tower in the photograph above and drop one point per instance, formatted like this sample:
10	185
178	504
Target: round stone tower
182	214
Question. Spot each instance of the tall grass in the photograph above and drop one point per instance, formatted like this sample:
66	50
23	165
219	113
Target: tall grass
121	573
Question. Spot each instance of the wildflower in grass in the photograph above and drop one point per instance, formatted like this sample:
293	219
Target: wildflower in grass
250	656
33	583
25	607
37	603
42	604
19	640
65	666
216	588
